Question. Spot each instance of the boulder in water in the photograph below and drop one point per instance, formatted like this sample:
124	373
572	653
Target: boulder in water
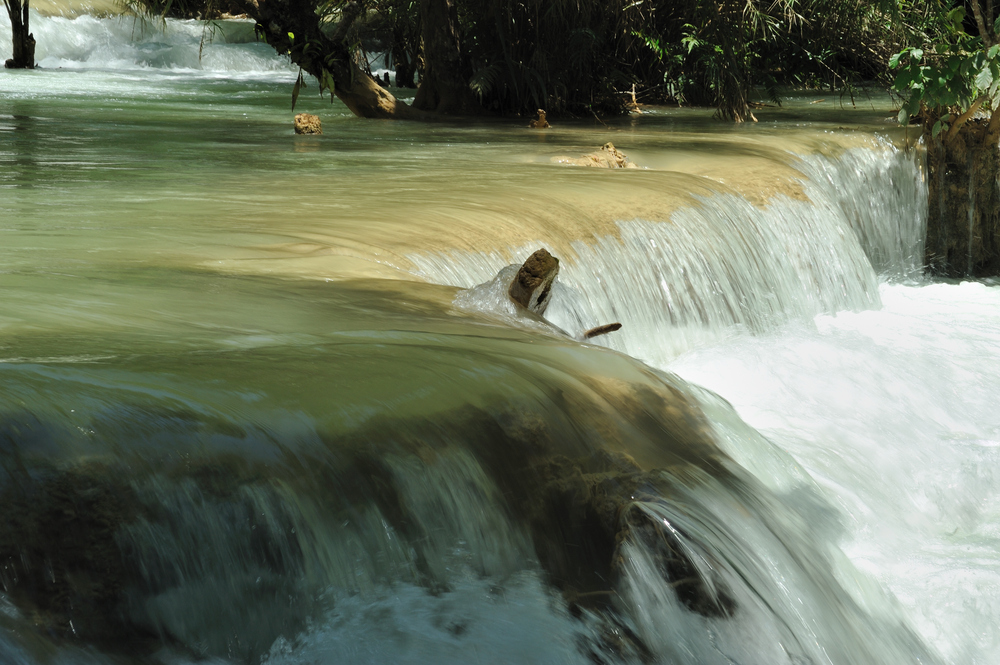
306	123
59	562
221	554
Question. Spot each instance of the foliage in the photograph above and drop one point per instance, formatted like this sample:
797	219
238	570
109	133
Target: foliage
720	52
587	57
393	27
952	73
566	56
159	10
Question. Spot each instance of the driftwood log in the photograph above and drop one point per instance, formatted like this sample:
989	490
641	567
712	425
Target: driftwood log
532	288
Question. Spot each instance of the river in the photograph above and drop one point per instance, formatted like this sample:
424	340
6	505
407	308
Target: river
262	401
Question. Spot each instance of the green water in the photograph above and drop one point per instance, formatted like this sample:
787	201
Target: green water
136	204
238	328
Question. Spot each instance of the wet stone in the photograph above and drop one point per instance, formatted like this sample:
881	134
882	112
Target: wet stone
306	123
608	157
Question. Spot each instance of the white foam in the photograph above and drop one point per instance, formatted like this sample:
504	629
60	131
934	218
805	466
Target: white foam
894	412
725	265
125	44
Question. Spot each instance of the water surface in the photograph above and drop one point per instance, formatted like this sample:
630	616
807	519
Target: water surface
327	445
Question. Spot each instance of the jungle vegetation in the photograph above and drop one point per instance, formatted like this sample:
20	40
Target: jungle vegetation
575	57
949	76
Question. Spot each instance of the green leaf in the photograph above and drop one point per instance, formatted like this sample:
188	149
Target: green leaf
291	37
994	50
299	84
936	129
903	117
916	54
984	79
326	82
894	61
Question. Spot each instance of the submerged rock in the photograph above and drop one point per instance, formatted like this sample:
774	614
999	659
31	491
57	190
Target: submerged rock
223	554
707	597
608	157
59	561
306	123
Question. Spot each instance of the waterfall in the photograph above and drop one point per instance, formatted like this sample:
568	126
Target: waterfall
883	196
725	264
125	43
208	463
382	524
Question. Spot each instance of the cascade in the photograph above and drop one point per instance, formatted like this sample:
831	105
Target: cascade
726	263
124	43
785	456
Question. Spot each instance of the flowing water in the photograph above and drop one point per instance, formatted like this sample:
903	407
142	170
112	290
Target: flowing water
262	397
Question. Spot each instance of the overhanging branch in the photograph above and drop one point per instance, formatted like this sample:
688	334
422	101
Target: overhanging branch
964	118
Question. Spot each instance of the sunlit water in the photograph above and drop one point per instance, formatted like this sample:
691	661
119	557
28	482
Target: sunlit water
259	339
893	412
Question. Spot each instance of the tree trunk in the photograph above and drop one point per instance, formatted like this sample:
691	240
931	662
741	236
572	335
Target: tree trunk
403	60
24	41
293	27
404	74
963	216
444	87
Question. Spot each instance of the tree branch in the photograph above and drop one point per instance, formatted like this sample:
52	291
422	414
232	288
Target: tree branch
983	32
348	15
993	130
964	118
293	27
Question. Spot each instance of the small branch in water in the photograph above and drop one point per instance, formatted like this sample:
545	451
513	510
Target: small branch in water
601	330
531	288
599	118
